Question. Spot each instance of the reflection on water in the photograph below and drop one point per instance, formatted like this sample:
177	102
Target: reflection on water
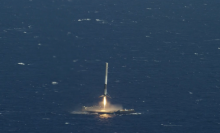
105	119
106	116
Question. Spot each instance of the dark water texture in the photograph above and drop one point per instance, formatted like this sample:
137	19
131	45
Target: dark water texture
163	62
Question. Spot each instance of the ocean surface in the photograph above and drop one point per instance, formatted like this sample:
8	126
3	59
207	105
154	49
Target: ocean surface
163	55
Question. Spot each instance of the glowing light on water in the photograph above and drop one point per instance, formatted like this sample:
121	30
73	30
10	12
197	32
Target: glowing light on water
105	116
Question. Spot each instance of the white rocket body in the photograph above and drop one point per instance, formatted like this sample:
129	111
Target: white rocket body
106	78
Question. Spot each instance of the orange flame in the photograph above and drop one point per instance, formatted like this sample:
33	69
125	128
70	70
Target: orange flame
104	101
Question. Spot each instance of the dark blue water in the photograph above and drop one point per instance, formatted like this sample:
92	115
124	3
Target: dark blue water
163	61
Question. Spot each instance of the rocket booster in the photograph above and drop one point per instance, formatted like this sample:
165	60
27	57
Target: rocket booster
106	78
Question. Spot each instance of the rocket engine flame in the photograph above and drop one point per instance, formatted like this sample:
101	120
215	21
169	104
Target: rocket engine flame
104	101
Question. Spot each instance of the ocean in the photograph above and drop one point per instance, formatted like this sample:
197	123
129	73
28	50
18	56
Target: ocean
163	62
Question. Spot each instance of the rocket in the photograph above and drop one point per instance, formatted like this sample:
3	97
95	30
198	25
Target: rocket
106	77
